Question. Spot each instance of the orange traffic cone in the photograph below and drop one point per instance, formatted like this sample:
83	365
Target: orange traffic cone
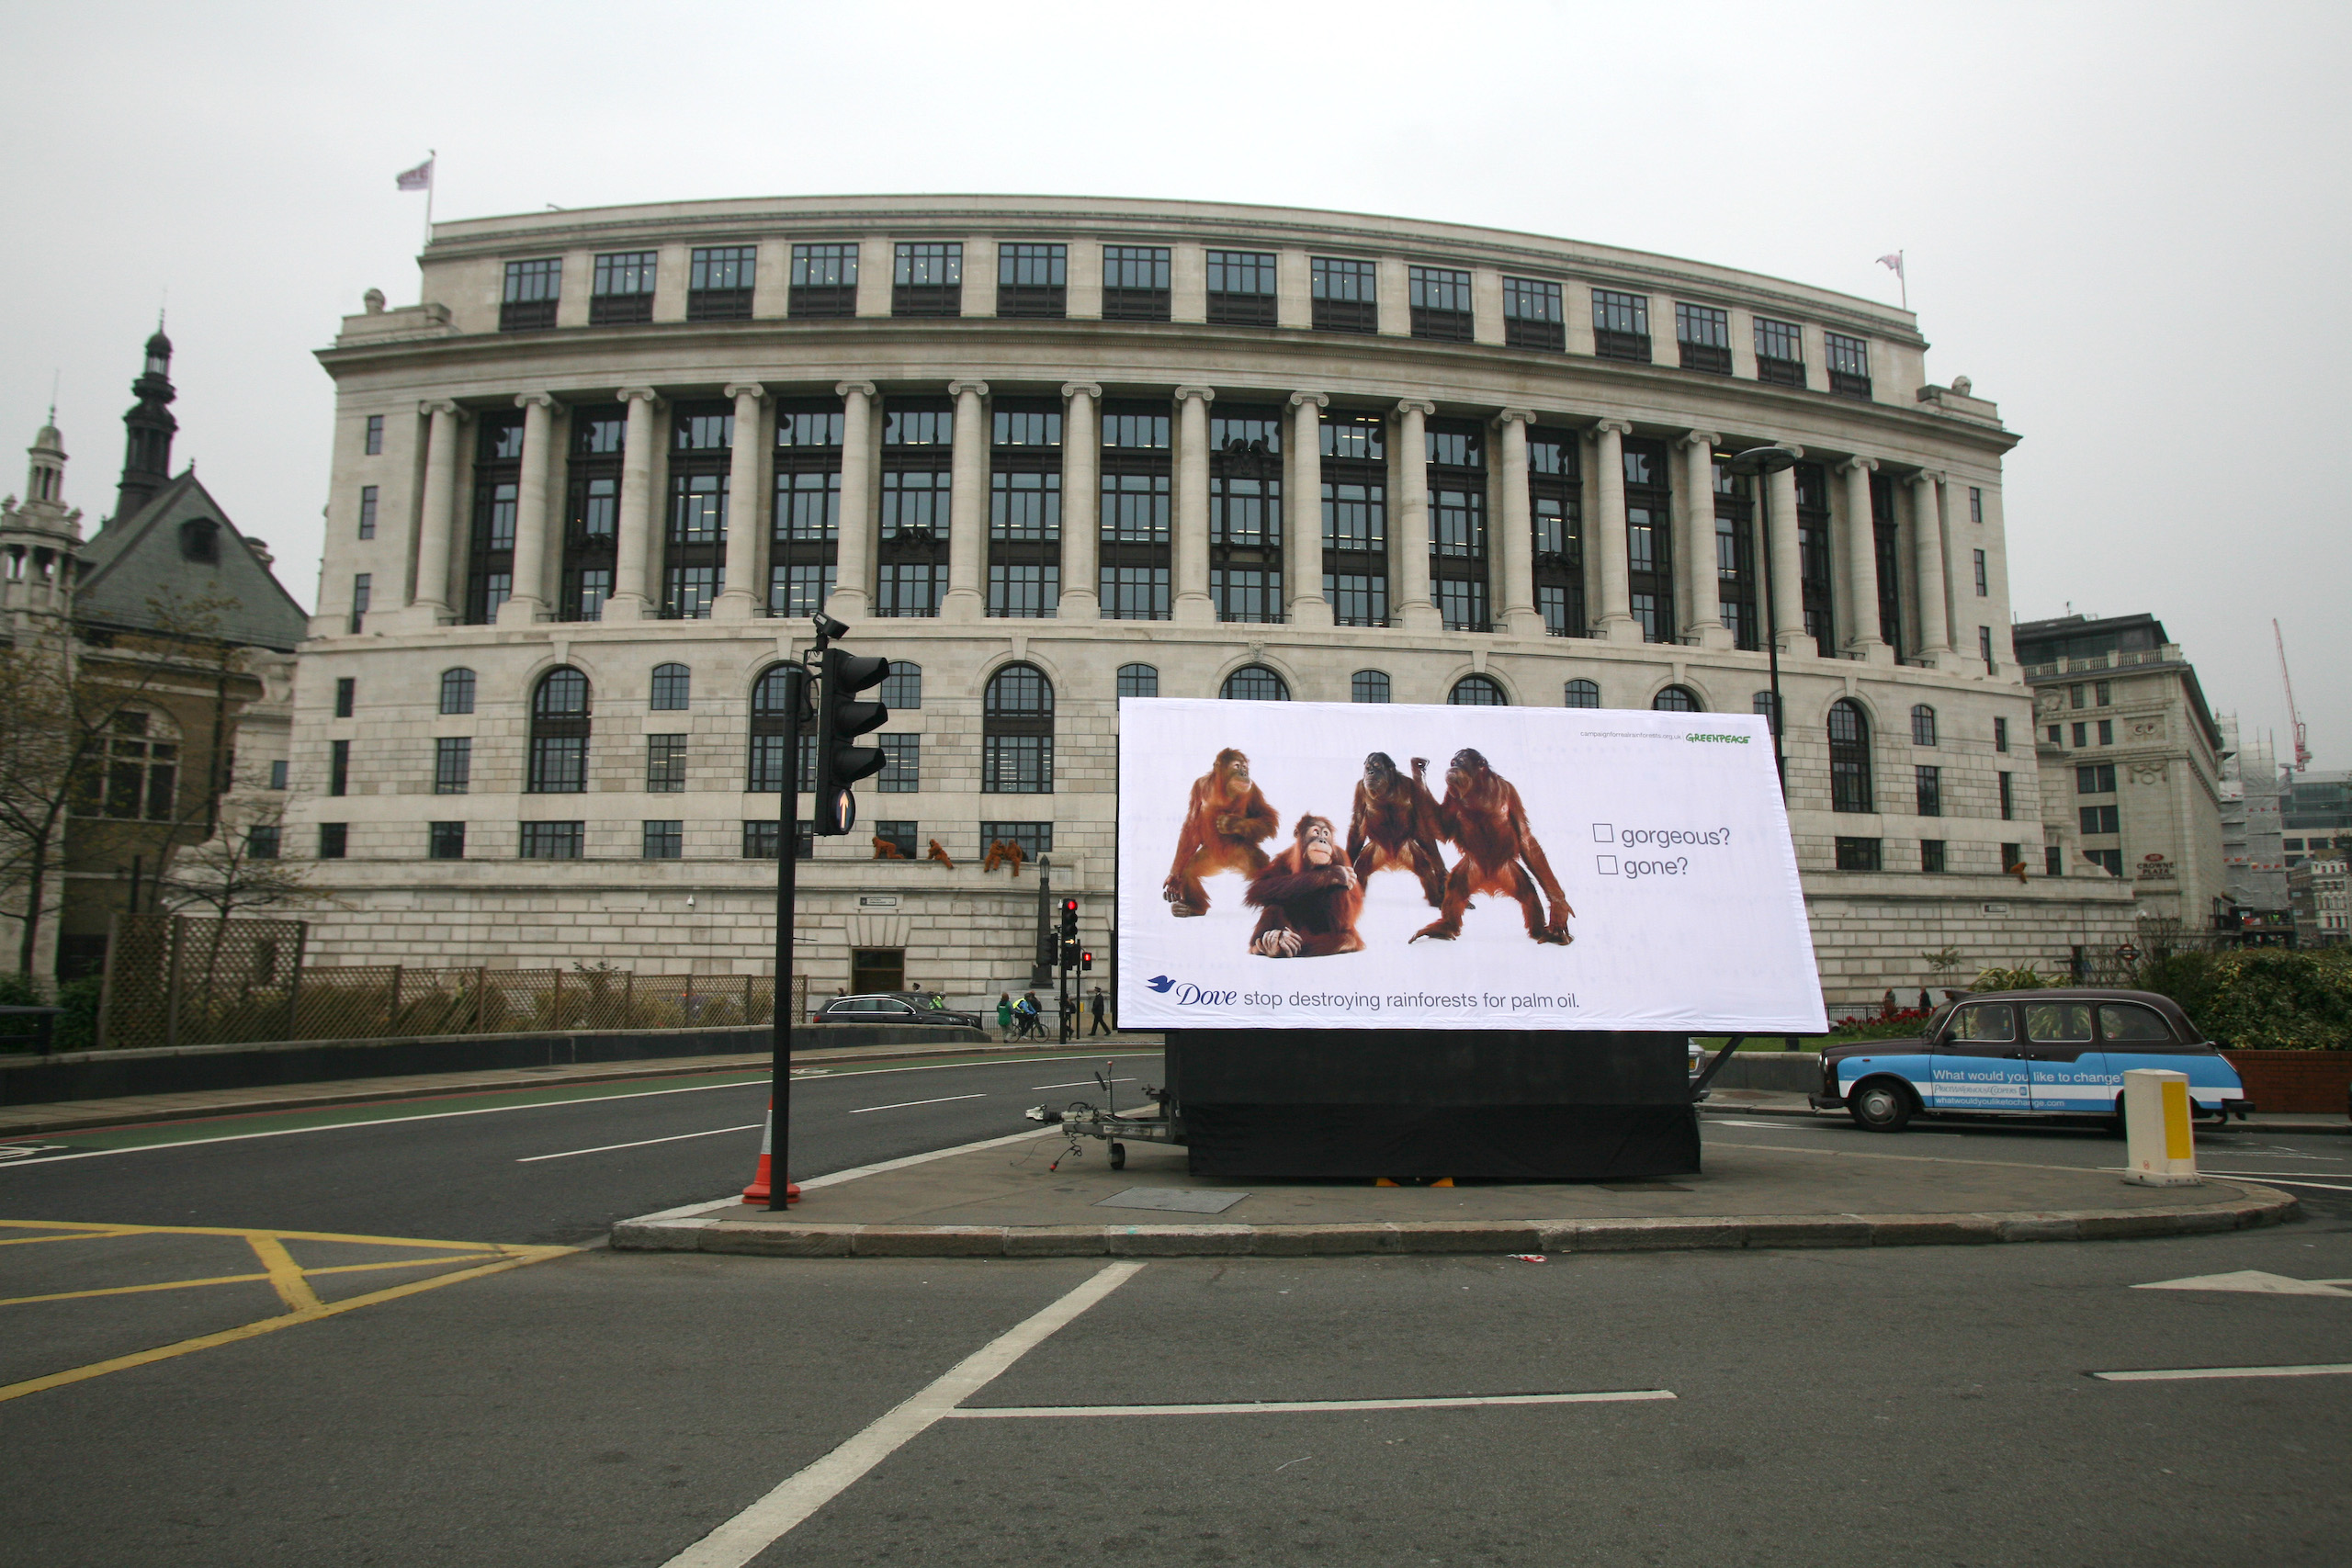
760	1189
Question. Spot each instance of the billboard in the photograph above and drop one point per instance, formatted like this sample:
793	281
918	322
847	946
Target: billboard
1331	865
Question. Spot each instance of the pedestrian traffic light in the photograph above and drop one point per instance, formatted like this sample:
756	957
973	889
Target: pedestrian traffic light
1070	920
1085	961
841	718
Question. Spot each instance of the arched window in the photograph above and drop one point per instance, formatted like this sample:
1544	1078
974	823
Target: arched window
457	691
764	774
1477	692
1255	683
1584	694
1850	757
1017	733
1138	681
902	687
1677	699
560	735
673	687
1369	686
1923	725
143	766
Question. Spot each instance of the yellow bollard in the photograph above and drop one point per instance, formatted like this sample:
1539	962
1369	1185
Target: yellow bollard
2160	1143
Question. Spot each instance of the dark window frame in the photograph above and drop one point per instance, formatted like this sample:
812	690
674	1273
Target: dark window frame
1017	731
1702	334
1535	315
1344	294
1032	279
823	280
1621	325
927	277
719	280
623	290
527	303
1439	299
1850	758
1125	299
1250	306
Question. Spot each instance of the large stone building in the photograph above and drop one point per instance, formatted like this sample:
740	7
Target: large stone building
1045	452
2130	763
2315	816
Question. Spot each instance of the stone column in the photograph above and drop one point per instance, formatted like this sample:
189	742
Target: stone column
1927	561
1515	595
527	600
1191	553
634	543
1787	565
436	523
1860	539
743	596
1081	502
1705	628
1303	512
853	596
1408	490
967	507
1612	620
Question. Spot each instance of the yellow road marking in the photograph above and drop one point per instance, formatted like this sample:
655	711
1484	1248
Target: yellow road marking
96	1227
79	1236
285	1274
237	1280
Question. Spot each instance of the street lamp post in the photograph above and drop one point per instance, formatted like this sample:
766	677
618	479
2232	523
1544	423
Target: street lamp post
1762	463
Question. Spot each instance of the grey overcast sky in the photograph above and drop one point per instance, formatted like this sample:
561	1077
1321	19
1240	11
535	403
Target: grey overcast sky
2126	222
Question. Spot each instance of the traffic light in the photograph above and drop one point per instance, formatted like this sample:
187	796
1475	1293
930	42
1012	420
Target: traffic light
1069	933
1085	961
841	720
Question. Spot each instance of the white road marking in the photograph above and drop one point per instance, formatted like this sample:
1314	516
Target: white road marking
2282	1181
2253	1280
641	1142
834	1178
2183	1374
757	1527
1298	1406
906	1104
1082	1083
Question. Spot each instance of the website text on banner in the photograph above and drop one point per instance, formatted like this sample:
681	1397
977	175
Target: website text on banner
1321	865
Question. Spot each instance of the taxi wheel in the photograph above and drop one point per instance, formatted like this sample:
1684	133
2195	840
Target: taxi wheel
2119	1126
1879	1105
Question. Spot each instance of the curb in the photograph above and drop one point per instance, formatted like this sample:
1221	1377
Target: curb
2259	1206
2298	1128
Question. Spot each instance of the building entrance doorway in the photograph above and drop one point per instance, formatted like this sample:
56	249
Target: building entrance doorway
874	969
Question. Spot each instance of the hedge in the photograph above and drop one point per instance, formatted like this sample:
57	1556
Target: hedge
2262	998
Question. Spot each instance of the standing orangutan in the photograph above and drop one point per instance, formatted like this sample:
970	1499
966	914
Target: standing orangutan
1310	896
1394	824
1483	815
1224	822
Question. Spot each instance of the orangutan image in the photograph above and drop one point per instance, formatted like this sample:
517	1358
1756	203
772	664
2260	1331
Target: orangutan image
1224	823
1395	825
1310	896
1483	817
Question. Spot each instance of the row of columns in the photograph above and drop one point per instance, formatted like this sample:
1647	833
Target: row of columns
1698	603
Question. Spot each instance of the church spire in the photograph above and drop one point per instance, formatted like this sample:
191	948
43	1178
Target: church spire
147	451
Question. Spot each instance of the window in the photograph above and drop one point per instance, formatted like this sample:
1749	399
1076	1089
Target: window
1532	315
2001	735
2110	861
1035	839
1765	707
1440	303
1923	725
1849	365
2076	695
262	841
277	773
770	717
1245	515
1554	496
375	434
552	841
1368	686
1017	733
1649	539
671	686
623	290
1477	692
1780	353
334	840
531	290
338	767
1242	289
2054	859
1255	683
453	764
2097	779
902	687
367	512
1850	758
1346	296
1857	854
1621	325
1984	648
760	841
1134	282
2100	820
1815	572
2125	1022
917	458
1135	592
363	589
695	542
1582	695
805	521
591	515
1975	503
1024	510
902	764
1931	856
457	691
1677	699
559	758
1355	519
1455	474
2009	797
928	280
665	764
1138	681
1032	280
665	839
719	283
898	835
824	280
1982	588
1703	333
2102	694
2082	735
1136	548
498	476
1928	786
2107	733
2012	856
346	695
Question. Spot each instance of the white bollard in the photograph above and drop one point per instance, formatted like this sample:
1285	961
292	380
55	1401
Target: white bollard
2160	1144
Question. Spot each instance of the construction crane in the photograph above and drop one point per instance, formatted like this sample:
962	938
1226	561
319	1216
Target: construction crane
2302	736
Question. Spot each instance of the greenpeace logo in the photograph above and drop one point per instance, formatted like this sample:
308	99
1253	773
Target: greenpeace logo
1726	739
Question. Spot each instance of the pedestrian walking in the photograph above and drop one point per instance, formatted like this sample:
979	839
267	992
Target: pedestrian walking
1004	1015
1025	1012
1096	1003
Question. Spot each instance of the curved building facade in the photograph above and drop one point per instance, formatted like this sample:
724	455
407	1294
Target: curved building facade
1045	452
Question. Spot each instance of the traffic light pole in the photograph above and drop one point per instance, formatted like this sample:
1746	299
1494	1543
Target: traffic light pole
787	854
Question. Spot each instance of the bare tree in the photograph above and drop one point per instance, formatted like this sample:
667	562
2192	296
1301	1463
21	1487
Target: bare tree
239	868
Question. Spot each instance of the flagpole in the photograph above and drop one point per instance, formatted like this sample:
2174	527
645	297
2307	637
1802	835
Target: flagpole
432	169
1902	273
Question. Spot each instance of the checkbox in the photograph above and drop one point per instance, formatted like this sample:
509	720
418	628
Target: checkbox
1606	864
1603	833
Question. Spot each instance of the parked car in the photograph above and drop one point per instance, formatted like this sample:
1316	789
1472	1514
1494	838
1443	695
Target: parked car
891	1007
2050	1053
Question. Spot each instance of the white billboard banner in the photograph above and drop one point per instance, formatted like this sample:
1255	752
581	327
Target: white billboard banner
1281	866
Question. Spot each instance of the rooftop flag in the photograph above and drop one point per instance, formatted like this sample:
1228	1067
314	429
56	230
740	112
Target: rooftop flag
1892	259
418	178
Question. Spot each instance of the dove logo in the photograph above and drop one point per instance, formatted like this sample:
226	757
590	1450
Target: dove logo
1159	983
1191	995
